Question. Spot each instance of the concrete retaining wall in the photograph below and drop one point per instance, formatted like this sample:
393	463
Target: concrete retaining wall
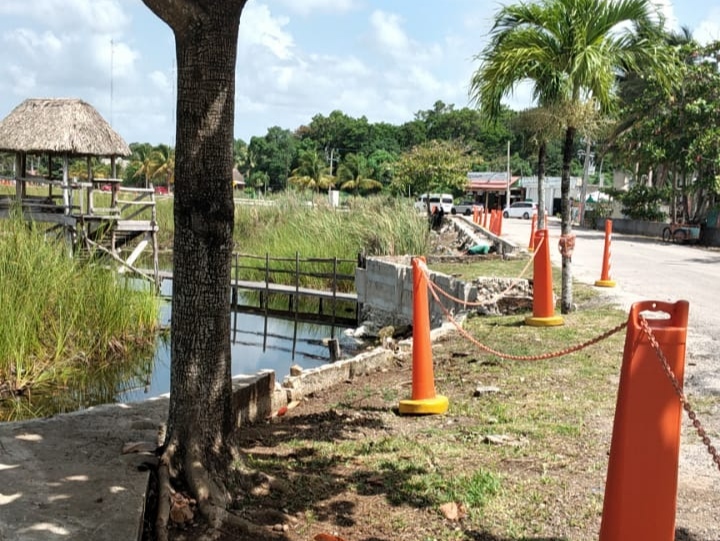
385	287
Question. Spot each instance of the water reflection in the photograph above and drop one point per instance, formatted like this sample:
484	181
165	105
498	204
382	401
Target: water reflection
257	343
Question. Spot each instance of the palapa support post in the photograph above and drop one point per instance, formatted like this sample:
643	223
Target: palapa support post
605	280
533	224
543	302
424	400
641	488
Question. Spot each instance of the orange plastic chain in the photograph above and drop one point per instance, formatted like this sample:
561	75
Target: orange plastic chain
499	296
551	355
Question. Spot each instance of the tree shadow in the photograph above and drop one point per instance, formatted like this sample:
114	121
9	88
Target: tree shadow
314	480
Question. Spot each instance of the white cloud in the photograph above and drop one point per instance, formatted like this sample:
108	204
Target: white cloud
388	33
306	7
258	28
96	16
709	29
665	8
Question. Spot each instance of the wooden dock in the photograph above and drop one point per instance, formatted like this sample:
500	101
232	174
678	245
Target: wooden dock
99	217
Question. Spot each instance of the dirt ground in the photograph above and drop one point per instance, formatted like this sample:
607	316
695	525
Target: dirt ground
559	498
324	496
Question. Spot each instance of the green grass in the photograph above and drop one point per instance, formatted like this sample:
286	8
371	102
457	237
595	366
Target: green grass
550	411
369	226
63	320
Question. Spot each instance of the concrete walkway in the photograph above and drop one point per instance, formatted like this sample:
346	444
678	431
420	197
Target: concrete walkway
65	477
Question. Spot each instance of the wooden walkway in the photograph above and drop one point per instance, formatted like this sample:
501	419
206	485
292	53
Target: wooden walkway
279	289
338	301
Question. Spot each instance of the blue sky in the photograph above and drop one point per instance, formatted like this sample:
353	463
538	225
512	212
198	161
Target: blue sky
296	58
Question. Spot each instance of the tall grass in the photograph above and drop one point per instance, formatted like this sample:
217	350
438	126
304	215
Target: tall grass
62	319
371	226
290	223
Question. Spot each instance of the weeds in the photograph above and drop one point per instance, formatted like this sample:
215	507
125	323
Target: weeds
61	319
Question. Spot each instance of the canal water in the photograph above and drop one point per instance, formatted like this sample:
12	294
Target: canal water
257	343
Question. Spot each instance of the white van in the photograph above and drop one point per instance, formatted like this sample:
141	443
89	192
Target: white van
445	200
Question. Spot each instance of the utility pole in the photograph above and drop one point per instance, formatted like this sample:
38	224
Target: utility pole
507	189
583	188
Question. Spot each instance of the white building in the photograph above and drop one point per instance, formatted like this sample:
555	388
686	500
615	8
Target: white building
551	190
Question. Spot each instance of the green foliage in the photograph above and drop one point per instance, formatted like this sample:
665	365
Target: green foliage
642	202
61	320
353	175
274	154
377	225
312	172
435	166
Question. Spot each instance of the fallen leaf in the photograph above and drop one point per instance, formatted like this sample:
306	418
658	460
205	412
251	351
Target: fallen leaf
327	537
180	512
453	511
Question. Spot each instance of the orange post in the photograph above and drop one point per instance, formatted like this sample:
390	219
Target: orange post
476	214
543	303
499	224
605	280
424	400
485	218
533	223
641	488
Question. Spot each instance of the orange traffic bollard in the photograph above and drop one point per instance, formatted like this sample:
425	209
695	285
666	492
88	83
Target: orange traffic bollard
499	224
543	303
424	399
605	280
641	488
476	215
533	223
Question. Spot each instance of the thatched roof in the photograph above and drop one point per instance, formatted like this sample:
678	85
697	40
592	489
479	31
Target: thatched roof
59	126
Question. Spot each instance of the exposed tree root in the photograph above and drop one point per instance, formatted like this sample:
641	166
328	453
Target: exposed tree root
212	499
163	506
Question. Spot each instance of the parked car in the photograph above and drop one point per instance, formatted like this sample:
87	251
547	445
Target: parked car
465	208
520	209
445	200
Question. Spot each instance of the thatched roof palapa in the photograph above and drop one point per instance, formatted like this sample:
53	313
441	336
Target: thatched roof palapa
59	126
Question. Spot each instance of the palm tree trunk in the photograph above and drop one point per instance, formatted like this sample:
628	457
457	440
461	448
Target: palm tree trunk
566	296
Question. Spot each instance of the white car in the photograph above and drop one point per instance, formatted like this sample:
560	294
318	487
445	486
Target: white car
521	209
445	200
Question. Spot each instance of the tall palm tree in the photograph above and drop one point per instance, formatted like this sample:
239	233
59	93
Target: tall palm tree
572	51
164	164
353	175
312	172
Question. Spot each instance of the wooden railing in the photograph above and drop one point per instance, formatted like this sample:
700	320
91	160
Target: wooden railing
82	198
321	279
332	273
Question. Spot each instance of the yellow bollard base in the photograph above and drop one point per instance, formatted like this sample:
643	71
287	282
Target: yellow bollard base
436	405
605	283
552	321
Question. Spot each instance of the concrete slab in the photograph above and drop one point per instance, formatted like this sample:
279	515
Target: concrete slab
65	477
